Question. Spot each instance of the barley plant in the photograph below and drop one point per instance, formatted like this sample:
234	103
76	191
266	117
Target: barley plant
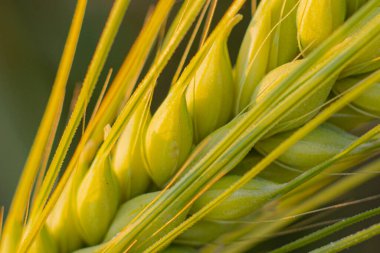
237	153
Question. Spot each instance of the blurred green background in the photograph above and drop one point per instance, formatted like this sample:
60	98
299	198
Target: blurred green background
32	36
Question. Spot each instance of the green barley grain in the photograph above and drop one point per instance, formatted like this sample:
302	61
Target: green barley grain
210	95
318	146
97	200
169	138
127	161
316	20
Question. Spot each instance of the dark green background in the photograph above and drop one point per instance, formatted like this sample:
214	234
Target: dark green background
32	35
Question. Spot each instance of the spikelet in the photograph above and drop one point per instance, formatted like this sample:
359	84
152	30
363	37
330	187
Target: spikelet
300	114
62	222
241	203
321	144
128	157
210	95
284	44
270	41
169	137
368	102
97	201
252	61
316	20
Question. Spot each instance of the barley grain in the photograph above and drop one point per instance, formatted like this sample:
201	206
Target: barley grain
127	161
318	146
316	20
97	200
210	95
169	138
302	113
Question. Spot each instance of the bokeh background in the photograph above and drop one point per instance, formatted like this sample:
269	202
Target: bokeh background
32	36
